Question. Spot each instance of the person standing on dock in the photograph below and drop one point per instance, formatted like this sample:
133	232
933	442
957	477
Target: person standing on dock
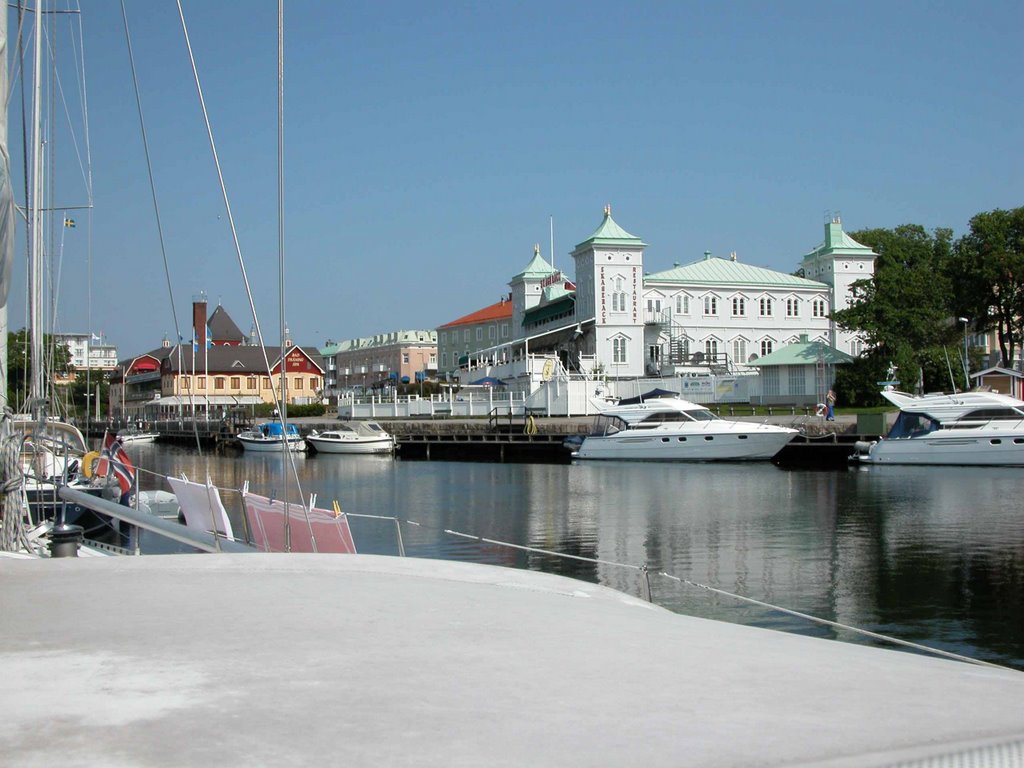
830	403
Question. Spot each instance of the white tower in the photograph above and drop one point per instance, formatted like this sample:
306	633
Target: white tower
609	284
526	289
839	262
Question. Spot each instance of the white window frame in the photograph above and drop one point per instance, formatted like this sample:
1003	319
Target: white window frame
619	350
739	306
739	350
711	305
765	306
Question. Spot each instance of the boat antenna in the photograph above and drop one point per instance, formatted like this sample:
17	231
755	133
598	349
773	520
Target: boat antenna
950	369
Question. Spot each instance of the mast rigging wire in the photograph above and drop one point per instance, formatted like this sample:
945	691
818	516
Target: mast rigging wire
241	260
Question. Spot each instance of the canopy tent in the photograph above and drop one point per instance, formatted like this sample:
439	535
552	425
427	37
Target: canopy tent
654	394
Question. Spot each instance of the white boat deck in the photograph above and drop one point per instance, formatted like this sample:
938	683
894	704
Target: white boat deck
365	660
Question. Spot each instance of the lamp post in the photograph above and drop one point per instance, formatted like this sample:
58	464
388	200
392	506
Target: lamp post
967	365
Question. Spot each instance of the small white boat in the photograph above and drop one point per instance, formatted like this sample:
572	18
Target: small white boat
270	436
660	426
966	429
353	437
135	434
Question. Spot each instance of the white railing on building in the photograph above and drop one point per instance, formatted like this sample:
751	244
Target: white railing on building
462	404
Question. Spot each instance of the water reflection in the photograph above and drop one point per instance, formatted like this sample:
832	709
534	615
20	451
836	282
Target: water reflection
934	555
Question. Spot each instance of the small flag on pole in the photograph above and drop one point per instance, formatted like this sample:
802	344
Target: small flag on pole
69	223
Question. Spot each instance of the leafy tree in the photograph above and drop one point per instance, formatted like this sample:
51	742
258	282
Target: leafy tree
988	271
903	311
19	363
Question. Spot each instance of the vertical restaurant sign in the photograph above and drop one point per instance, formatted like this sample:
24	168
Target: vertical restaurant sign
635	295
604	308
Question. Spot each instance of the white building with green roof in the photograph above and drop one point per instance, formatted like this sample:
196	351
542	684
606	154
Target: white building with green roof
711	316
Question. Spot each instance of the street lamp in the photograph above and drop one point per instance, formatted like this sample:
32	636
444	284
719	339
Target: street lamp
967	365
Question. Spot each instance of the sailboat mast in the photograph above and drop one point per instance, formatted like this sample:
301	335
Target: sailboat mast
35	219
280	205
8	233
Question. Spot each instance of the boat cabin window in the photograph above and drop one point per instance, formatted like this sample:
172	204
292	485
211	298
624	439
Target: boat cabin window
608	425
666	417
701	414
993	414
912	425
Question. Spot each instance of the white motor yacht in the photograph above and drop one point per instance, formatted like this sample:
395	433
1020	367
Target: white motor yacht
970	428
664	427
353	437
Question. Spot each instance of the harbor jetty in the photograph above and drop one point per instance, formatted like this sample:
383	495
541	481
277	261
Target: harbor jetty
819	444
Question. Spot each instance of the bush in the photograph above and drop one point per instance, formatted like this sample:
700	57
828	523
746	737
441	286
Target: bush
266	410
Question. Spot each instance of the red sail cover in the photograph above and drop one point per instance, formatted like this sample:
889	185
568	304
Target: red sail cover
266	521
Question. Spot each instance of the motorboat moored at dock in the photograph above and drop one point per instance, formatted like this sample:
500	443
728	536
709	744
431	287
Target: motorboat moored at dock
136	434
969	428
270	436
353	437
663	427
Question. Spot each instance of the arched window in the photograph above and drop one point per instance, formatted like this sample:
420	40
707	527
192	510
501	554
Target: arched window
619	350
618	294
739	350
766	347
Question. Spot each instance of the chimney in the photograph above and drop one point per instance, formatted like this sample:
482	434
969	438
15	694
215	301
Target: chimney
199	320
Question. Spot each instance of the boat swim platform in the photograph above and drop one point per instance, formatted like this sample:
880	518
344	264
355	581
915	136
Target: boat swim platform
297	660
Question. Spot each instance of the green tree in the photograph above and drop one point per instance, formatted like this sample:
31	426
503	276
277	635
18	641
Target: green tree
988	271
57	360
902	311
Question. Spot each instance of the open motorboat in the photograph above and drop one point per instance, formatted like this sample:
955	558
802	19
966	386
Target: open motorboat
663	427
270	436
353	437
136	434
970	428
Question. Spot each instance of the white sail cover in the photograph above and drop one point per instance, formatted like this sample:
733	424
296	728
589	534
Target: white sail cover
201	506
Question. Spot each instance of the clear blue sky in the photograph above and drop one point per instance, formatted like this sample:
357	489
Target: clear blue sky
427	144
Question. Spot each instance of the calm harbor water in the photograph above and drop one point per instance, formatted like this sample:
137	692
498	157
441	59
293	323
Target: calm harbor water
929	555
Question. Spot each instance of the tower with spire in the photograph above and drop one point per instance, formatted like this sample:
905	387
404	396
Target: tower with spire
527	286
609	286
839	262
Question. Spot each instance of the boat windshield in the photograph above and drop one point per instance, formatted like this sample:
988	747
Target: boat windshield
605	424
912	425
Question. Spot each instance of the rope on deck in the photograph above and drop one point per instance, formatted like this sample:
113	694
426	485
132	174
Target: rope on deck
835	624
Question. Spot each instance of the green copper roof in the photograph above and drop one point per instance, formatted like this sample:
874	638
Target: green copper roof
552	292
804	353
392	338
610	233
712	270
837	242
536	269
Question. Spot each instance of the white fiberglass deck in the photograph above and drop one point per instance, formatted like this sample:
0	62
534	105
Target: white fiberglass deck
363	660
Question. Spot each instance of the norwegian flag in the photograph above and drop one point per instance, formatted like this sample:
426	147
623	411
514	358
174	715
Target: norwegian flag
114	460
